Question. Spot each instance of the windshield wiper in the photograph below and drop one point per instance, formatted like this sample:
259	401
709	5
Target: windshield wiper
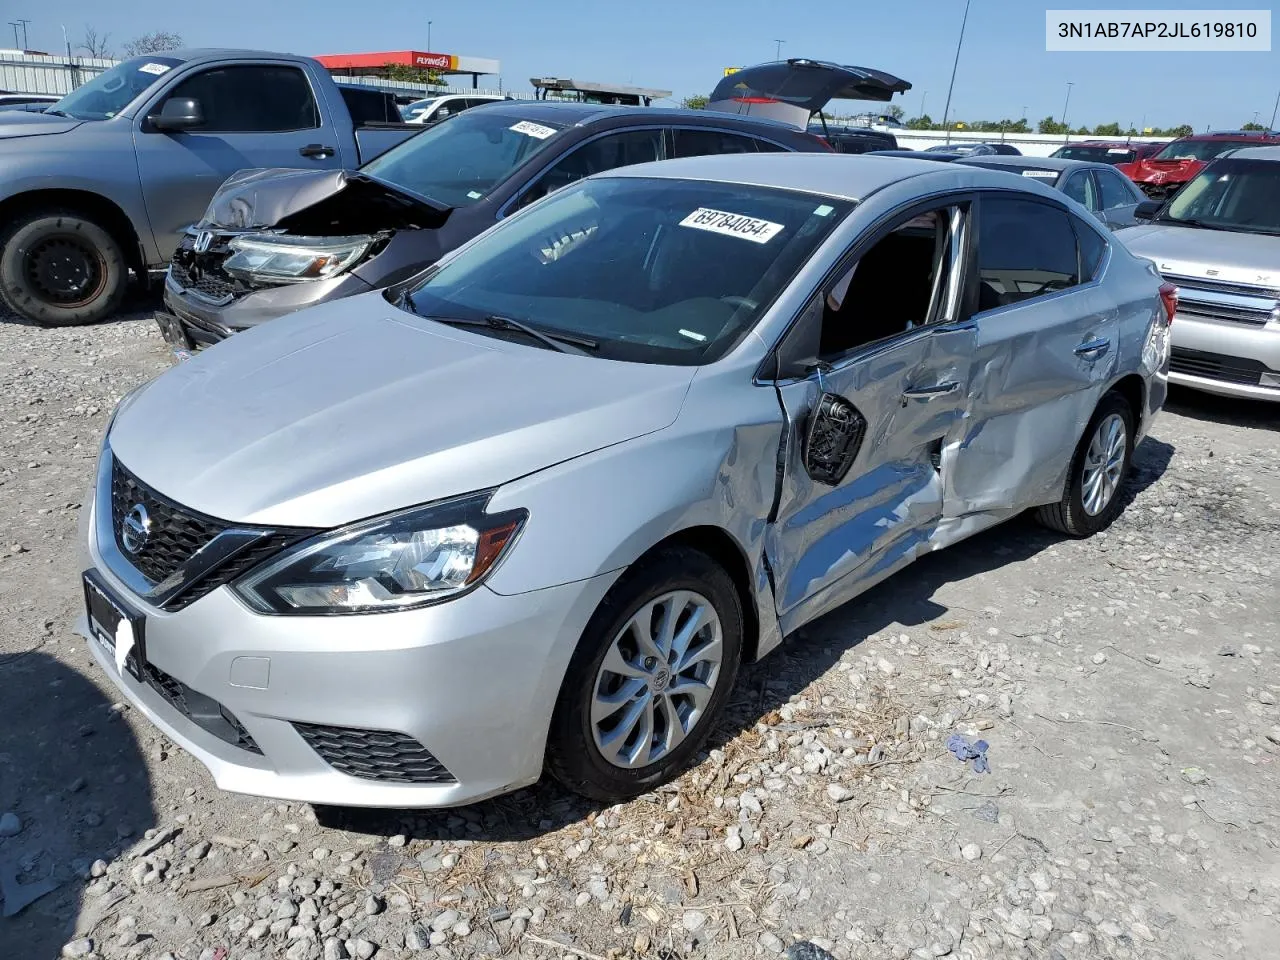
560	342
56	113
1192	222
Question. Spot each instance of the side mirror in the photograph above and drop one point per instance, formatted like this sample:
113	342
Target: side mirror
179	113
1147	209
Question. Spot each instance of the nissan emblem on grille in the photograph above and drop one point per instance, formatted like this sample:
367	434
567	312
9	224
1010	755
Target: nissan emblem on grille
202	242
135	528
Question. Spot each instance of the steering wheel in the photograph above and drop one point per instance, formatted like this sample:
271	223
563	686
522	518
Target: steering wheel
736	301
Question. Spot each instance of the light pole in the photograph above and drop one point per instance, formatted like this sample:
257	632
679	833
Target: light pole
1273	113
429	50
946	111
24	32
777	52
1066	130
14	24
923	97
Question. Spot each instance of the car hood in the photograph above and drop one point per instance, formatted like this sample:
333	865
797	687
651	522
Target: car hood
791	91
354	409
258	198
22	123
1246	258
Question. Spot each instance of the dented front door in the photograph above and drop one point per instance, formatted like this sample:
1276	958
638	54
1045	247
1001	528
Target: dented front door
835	535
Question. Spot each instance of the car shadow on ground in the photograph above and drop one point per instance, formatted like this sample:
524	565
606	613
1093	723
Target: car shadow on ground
908	598
72	772
138	304
1230	411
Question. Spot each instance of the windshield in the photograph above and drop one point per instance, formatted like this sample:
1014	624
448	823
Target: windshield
1230	194
1199	149
652	270
1111	155
111	91
459	160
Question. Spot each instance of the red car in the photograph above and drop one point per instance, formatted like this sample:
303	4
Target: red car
1164	174
1115	152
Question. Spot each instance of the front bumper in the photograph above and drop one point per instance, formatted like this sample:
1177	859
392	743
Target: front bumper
1226	358
191	322
473	680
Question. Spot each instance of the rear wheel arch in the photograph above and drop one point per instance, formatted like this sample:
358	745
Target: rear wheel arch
1134	390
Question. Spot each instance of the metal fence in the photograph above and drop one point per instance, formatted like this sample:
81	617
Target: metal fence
40	73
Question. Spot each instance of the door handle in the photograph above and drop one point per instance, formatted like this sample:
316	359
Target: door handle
925	394
317	150
1093	349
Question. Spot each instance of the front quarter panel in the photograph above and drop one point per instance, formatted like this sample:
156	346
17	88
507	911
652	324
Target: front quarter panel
715	466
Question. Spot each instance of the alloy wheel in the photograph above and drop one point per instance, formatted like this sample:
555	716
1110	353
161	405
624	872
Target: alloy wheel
657	679
1104	464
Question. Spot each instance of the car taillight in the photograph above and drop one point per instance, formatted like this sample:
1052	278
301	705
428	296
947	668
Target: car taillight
1169	298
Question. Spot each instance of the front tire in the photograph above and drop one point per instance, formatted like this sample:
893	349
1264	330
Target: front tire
59	269
651	674
1091	500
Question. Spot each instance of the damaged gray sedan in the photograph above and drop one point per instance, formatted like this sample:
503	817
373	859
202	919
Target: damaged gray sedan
532	509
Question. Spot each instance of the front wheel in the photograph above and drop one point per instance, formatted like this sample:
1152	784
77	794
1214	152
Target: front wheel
61	270
652	672
1091	500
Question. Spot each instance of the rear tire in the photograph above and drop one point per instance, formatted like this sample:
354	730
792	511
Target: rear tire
60	269
1091	500
594	748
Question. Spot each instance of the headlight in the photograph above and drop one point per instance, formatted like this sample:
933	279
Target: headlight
405	560
282	259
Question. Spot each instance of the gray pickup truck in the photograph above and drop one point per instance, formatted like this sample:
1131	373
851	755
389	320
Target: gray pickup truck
104	182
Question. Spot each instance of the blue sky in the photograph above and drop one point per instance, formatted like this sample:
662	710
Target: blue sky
684	46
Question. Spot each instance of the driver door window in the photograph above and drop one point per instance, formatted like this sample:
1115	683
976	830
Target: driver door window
252	99
903	281
604	153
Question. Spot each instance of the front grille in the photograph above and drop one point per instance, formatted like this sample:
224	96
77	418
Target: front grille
176	533
205	712
374	754
202	274
1221	286
1215	366
1231	313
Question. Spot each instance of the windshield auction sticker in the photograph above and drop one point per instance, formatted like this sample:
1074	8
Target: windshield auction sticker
1046	174
1152	31
536	130
731	225
156	68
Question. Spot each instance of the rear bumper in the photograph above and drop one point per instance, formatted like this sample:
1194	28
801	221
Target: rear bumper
1229	359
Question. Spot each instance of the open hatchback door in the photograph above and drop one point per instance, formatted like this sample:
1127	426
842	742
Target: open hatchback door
792	91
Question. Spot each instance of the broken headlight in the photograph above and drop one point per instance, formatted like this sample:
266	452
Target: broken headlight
398	562
269	258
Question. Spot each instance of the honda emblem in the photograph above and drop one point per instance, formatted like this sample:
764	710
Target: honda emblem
203	241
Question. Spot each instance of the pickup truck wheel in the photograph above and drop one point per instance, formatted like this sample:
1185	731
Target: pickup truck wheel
61	270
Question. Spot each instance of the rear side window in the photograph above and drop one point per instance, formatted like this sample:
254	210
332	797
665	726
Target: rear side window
1079	187
252	99
1093	246
1116	191
700	143
1025	250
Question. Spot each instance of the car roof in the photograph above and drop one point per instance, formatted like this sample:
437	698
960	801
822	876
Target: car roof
841	175
1032	163
1114	144
1256	153
577	114
1244	136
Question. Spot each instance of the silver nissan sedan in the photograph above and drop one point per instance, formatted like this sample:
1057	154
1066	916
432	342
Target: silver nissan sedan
533	508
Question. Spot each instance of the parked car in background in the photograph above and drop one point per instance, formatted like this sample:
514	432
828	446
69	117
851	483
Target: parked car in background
27	101
1108	151
918	155
1097	187
1218	239
103	183
976	149
1163	174
435	109
534	507
275	242
854	139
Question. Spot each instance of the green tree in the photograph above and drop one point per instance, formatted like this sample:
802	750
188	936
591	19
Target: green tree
1107	130
895	111
697	102
154	42
924	122
408	74
1050	126
1253	126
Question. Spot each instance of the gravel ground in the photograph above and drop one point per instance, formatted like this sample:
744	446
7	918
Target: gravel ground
1126	685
